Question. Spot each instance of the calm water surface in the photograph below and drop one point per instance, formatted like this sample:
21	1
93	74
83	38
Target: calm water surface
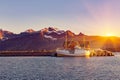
55	68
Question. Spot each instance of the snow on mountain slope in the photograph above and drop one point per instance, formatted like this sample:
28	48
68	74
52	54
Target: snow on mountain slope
50	37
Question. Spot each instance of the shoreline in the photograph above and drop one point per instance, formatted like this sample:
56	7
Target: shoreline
47	53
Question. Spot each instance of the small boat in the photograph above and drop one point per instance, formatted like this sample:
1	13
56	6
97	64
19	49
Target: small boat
73	49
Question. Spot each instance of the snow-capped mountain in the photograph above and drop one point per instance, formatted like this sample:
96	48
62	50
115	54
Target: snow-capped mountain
4	35
29	31
54	33
48	38
34	40
49	33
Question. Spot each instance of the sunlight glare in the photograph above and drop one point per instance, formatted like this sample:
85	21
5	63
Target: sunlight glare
109	34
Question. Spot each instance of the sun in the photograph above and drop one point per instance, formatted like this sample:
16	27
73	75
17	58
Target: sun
109	34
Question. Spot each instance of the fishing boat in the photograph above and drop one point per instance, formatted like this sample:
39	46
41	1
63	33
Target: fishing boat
74	51
77	52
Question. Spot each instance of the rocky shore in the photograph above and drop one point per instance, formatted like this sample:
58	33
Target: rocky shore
100	52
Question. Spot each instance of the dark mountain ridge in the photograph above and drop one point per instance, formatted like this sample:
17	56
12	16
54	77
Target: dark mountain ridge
50	39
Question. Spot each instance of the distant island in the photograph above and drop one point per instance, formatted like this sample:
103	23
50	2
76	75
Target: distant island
49	39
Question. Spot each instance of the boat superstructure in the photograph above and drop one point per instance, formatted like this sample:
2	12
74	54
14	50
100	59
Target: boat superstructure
73	49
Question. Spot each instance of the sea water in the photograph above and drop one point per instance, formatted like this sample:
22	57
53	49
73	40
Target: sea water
60	68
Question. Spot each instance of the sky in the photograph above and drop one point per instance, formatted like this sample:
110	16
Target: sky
92	17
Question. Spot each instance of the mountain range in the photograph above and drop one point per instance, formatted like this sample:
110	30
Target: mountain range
50	39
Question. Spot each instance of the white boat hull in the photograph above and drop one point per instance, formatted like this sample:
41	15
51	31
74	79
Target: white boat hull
76	53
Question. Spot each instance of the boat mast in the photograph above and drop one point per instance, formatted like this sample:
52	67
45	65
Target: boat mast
66	40
84	42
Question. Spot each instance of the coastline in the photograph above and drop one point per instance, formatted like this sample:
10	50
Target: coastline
97	53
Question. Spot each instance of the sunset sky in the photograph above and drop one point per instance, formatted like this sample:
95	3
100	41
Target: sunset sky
92	17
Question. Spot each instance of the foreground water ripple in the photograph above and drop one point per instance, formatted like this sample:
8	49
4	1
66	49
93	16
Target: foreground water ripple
55	68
